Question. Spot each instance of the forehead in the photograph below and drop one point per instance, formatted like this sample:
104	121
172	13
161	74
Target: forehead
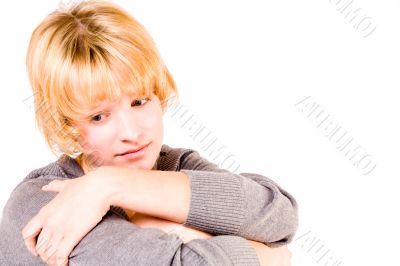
85	99
102	103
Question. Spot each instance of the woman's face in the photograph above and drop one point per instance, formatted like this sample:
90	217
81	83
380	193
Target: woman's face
128	133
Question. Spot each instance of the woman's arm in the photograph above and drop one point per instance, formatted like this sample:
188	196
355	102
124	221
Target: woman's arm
114	240
210	199
247	204
60	222
218	201
162	194
203	196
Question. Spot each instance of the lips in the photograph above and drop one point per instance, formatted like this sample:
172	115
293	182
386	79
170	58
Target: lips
133	151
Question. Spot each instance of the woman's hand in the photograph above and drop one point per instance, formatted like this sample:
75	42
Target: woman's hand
61	224
185	233
267	256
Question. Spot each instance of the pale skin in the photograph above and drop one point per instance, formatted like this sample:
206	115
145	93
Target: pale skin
159	199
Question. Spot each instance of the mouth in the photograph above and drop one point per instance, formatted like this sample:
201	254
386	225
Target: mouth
134	153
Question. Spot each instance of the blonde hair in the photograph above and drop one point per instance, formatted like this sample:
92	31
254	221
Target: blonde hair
86	53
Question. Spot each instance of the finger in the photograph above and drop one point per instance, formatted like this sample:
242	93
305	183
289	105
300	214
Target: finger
55	185
30	242
64	249
43	243
29	233
49	252
52	251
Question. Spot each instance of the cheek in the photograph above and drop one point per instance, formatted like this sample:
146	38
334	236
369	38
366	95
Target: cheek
152	120
97	140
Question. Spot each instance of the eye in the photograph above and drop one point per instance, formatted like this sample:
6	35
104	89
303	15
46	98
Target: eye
139	102
97	118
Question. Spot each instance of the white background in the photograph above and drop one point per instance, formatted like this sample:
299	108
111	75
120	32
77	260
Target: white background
241	66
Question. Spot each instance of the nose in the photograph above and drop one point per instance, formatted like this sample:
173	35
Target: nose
128	127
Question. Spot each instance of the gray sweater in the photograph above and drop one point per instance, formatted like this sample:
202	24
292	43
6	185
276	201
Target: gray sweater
231	207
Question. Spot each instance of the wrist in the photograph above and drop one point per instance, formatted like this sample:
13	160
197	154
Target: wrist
119	186
110	179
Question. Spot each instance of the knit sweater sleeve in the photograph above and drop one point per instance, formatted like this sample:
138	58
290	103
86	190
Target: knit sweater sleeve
114	241
248	205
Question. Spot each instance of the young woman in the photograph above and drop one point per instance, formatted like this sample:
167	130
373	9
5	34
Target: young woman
117	195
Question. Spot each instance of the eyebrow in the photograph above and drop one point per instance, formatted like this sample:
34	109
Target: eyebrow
97	110
103	105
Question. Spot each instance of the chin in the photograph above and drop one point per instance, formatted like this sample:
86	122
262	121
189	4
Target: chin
140	166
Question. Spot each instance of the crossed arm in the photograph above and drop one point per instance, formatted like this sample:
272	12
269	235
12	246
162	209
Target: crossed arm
180	183
262	211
